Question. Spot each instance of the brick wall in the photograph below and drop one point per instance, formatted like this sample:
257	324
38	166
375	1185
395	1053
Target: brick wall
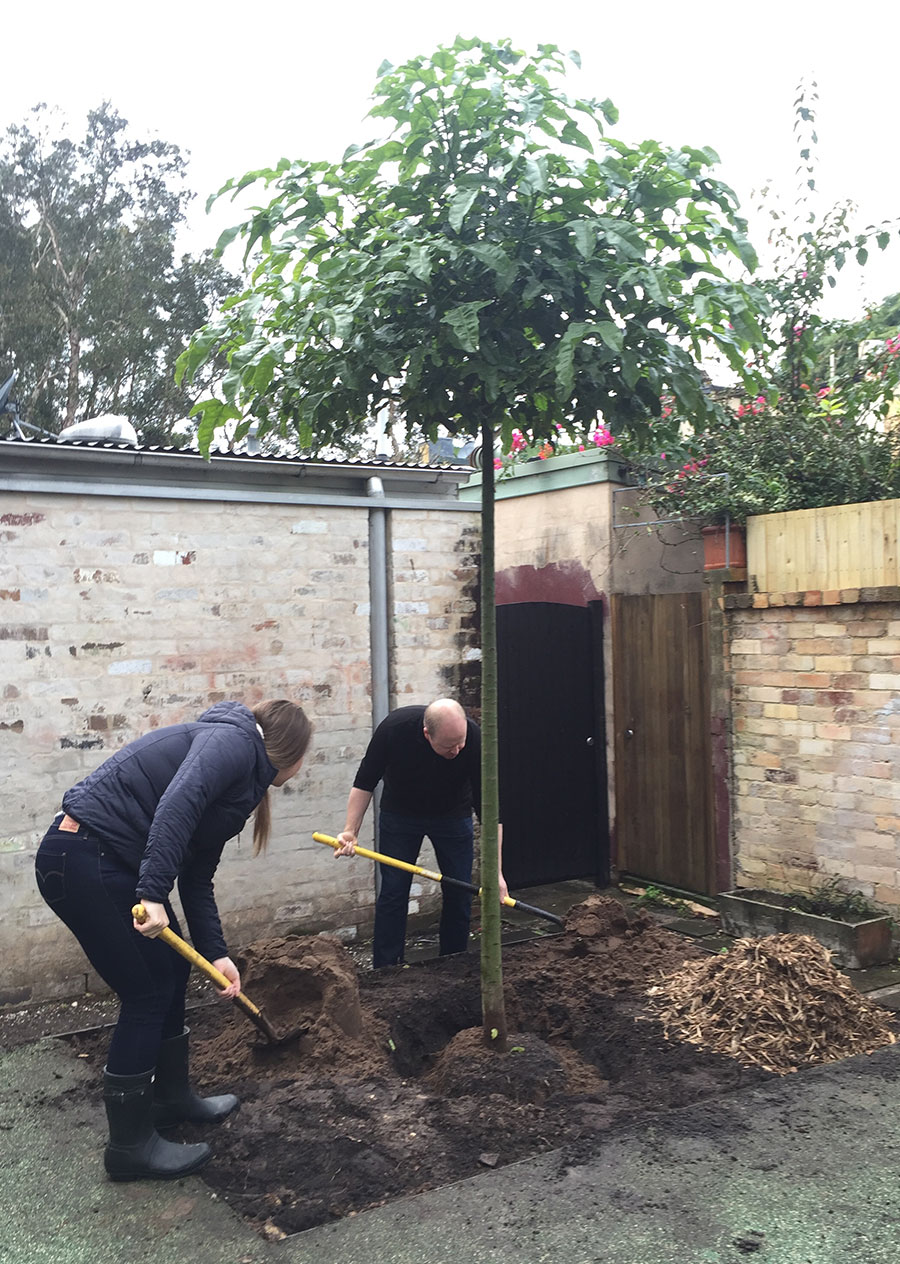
816	714
121	613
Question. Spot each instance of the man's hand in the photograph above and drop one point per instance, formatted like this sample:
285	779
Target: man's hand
227	967
504	889
347	840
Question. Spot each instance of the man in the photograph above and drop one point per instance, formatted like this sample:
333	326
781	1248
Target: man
429	759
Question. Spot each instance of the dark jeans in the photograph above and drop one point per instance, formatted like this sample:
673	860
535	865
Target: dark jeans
90	890
401	837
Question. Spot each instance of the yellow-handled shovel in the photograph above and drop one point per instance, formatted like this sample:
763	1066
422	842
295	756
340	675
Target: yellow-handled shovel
440	877
256	1016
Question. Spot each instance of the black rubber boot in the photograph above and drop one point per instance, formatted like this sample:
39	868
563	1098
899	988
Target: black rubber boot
174	1101
135	1150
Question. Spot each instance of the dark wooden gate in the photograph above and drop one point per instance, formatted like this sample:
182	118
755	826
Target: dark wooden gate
663	756
552	760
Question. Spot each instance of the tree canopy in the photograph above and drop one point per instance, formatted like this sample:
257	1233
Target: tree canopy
95	307
497	255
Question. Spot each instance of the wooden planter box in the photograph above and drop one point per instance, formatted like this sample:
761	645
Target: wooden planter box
853	945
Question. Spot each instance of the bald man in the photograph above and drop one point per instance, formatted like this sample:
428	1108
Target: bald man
429	759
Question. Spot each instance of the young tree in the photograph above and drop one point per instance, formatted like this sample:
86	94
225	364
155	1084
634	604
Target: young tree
496	263
94	306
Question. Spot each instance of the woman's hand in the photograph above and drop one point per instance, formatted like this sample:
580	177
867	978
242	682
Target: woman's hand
155	919
227	967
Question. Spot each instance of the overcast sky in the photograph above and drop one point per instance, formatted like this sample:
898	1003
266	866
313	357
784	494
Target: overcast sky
240	85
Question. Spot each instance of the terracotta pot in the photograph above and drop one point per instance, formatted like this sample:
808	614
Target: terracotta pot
714	547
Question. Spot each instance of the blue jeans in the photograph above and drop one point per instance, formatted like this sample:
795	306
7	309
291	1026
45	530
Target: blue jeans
89	888
401	837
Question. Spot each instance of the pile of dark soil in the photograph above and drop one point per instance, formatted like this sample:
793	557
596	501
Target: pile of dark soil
390	1090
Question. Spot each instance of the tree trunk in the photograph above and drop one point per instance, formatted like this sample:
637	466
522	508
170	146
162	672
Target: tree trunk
493	1008
72	387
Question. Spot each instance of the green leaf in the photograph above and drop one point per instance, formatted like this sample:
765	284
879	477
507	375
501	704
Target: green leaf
609	111
226	238
573	135
265	371
463	320
585	237
534	177
611	334
419	259
496	258
461	205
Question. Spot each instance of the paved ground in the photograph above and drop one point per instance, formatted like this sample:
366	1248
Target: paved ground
805	1170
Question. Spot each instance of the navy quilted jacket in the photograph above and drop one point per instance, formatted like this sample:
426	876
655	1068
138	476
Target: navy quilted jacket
167	803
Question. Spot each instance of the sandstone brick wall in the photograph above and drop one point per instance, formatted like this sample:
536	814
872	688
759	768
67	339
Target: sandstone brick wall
119	614
816	713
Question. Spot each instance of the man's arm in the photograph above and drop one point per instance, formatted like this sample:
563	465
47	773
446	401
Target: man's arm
357	804
504	889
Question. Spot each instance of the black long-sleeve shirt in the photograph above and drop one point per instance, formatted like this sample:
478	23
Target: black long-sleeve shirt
418	781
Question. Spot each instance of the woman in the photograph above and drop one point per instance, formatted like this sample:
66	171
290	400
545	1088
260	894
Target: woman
160	810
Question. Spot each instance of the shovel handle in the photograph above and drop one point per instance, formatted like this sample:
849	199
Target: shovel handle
439	877
139	913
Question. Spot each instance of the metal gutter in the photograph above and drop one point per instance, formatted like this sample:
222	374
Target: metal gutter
95	470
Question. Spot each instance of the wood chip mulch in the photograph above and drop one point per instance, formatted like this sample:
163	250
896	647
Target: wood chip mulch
775	1002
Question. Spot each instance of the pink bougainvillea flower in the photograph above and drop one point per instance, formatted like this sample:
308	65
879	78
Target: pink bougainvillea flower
498	463
825	390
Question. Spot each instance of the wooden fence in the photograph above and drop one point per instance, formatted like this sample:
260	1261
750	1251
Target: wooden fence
843	546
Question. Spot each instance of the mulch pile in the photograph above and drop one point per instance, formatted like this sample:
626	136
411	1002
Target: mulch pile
775	1002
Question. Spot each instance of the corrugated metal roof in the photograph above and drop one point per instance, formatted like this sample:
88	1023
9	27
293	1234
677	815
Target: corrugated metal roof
257	457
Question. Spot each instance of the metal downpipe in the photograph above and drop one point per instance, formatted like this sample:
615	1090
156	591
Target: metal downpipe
378	626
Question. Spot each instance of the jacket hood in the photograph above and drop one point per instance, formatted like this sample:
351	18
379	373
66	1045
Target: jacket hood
230	713
241	717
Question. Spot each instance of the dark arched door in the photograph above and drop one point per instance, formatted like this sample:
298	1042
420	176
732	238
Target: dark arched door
552	750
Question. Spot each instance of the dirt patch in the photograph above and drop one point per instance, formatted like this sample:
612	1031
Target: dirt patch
390	1090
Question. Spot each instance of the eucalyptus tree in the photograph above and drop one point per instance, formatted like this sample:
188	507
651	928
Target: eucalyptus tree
496	262
95	303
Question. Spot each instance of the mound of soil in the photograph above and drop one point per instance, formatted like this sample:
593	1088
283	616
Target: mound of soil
390	1090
